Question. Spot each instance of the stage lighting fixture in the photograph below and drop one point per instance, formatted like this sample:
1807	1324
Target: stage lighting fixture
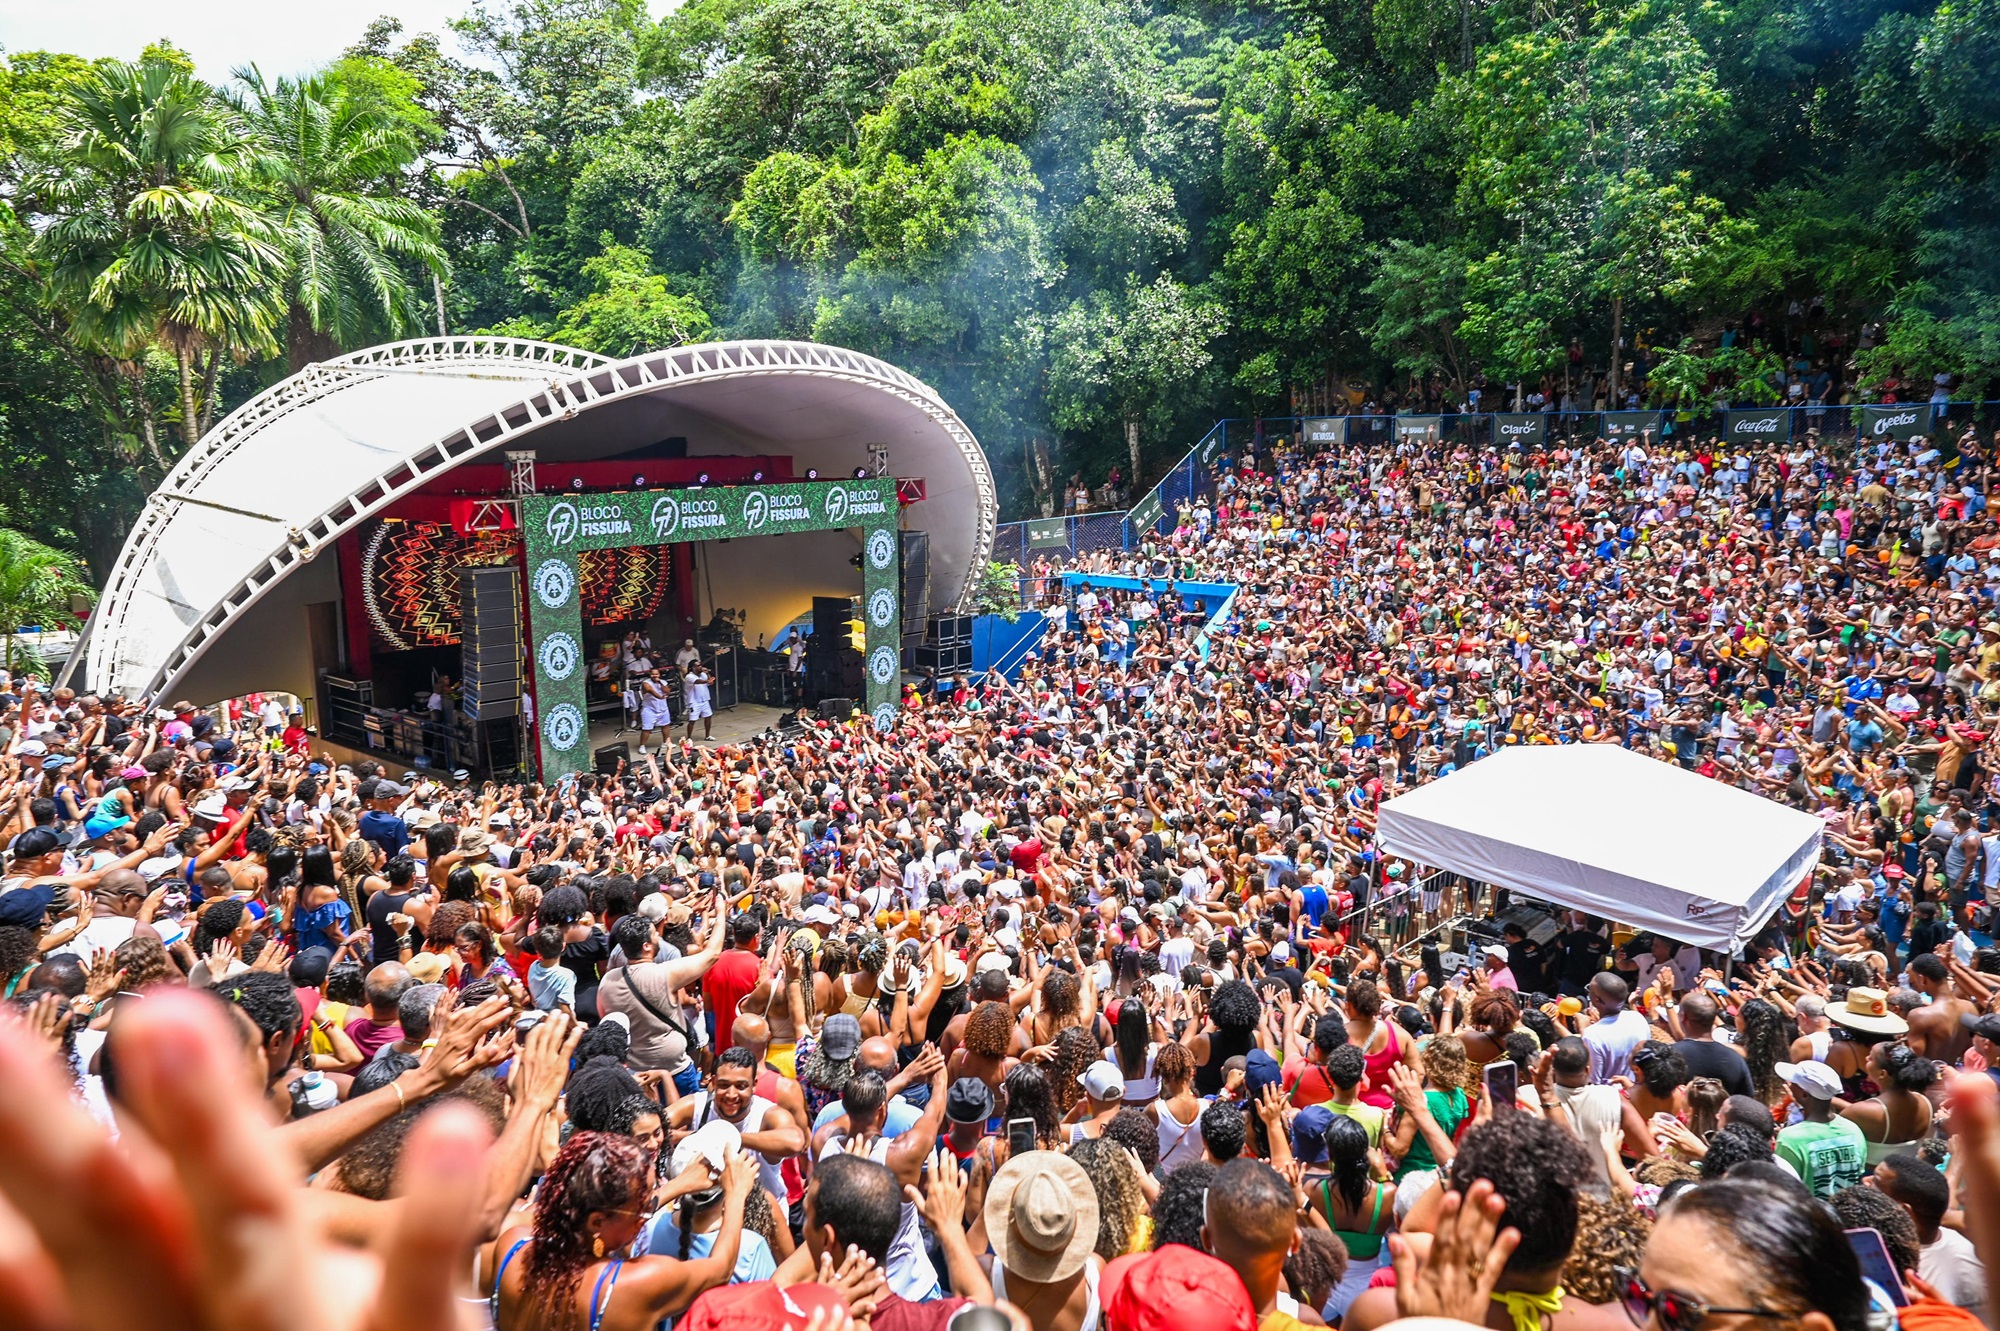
812	473
861	473
701	479
576	482
639	481
756	475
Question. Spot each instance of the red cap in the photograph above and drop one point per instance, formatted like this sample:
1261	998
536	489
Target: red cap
760	1306
1174	1288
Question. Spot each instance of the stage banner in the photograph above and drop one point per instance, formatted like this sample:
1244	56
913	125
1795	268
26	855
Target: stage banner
560	527
1901	420
1630	424
1526	428
1419	429
1146	514
1753	423
1048	533
1323	431
1215	445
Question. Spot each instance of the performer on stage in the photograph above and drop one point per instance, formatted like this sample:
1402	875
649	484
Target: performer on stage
655	716
697	680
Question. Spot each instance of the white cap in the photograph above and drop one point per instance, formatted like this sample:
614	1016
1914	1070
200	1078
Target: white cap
1815	1079
992	961
1497	952
821	915
711	1142
161	865
1103	1081
620	1019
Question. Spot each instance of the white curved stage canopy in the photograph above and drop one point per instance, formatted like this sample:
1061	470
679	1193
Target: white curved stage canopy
231	553
1598	828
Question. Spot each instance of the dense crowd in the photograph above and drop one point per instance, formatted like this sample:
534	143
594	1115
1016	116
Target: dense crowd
1070	1003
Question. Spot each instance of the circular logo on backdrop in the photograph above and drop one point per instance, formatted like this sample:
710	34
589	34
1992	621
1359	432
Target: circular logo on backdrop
558	656
881	607
836	504
561	523
563	727
882	664
881	549
553	583
666	515
885	717
756	508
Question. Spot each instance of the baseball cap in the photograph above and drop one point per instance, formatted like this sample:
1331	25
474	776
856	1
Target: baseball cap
1497	951
1260	1070
761	1305
969	1100
1174	1288
24	907
821	915
1815	1079
1982	1023
1103	1081
840	1038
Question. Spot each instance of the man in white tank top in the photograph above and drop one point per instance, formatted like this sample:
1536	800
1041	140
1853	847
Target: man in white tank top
1815	1031
770	1134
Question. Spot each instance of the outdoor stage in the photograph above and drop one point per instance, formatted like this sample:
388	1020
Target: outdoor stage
483	520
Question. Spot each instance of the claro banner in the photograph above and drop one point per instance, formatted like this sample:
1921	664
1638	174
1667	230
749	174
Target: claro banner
1525	428
1749	423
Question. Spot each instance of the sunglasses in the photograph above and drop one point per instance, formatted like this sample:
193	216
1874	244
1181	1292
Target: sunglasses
1676	1311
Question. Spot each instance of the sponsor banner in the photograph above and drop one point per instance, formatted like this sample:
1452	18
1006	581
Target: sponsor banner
1323	431
1146	514
559	527
1215	445
1048	533
1631	424
1419	429
1749	423
1526	428
1902	420
567	523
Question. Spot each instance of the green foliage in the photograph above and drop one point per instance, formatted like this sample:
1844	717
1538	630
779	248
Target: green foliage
36	583
997	591
1093	225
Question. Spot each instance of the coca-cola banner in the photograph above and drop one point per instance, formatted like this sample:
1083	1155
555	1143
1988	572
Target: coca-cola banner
1750	423
1526	428
1901	420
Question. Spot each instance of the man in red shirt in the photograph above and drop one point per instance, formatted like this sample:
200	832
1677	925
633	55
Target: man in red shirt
734	974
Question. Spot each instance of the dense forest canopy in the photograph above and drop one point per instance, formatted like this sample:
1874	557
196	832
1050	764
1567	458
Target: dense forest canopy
1094	226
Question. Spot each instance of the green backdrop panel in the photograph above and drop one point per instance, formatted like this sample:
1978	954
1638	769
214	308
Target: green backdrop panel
558	527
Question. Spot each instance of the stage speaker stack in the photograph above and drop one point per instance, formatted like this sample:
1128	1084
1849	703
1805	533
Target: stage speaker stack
913	576
605	761
490	648
947	645
833	664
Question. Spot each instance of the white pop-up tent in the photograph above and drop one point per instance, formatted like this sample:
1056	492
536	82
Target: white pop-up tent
1602	829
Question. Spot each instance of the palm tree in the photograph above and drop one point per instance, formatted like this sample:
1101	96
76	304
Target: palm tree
328	163
36	584
148	244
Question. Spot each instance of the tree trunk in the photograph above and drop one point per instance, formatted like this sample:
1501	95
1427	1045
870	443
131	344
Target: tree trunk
304	344
437	290
1617	350
148	427
1132	447
209	372
1041	480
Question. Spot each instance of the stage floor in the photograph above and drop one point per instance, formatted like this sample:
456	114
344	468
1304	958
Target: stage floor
738	723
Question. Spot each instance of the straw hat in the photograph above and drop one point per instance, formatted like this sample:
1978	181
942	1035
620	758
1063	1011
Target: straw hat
1041	1216
1867	1010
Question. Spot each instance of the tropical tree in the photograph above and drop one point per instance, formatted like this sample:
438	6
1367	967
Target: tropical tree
36	584
329	163
149	243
